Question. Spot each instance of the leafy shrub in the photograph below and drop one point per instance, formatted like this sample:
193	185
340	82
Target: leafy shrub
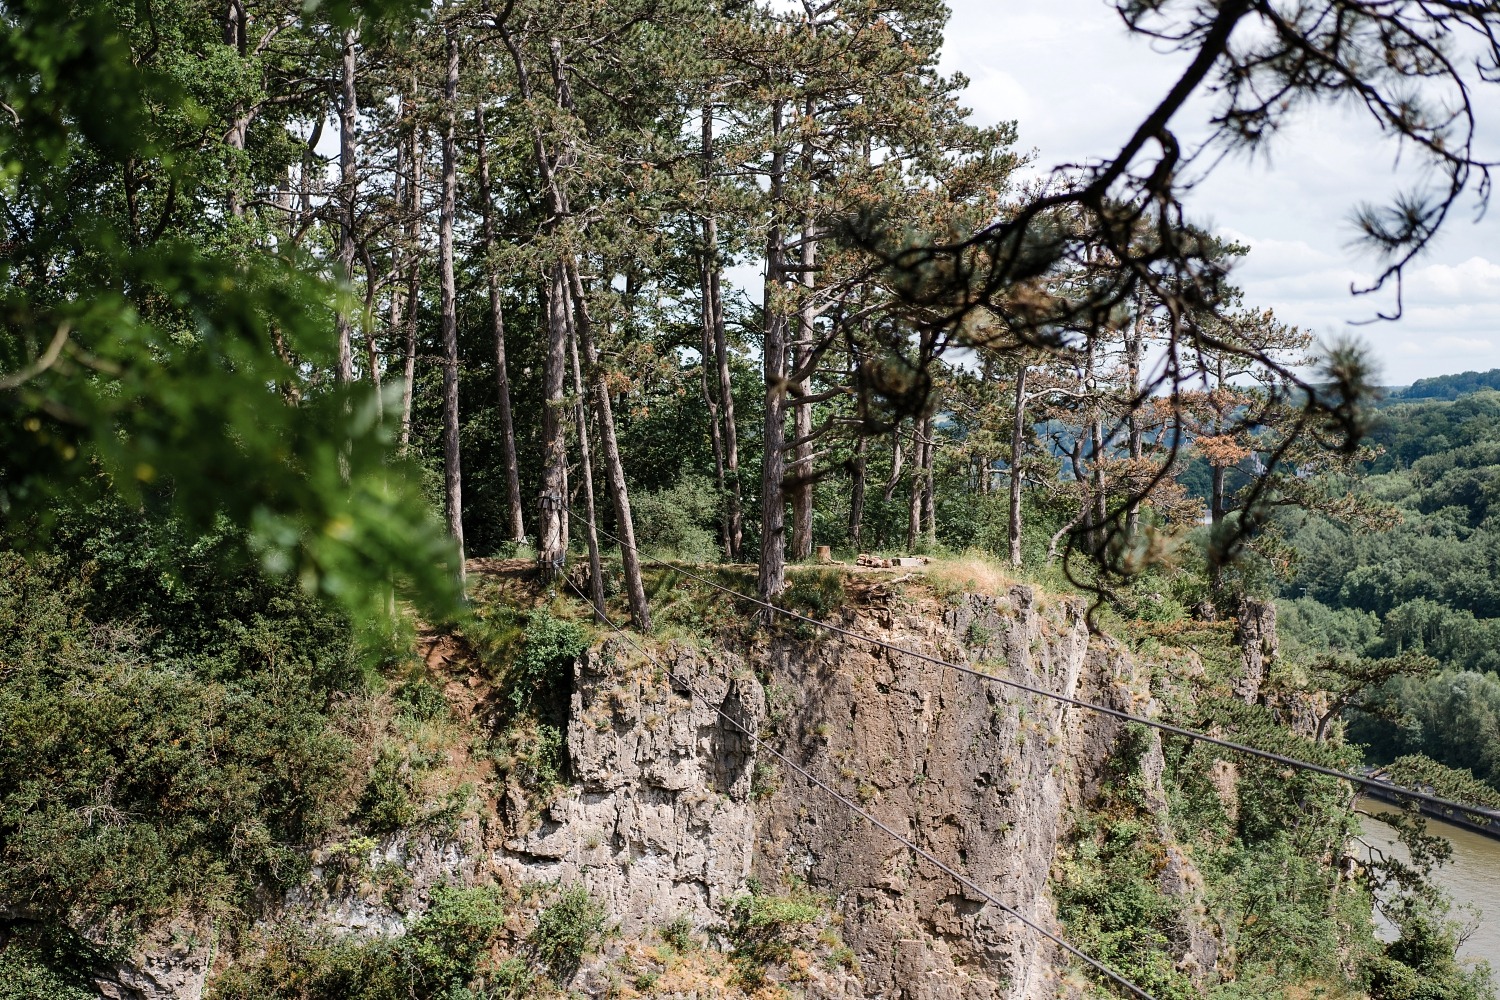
30	971
421	701
454	935
679	934
814	593
141	772
679	521
551	645
763	927
440	958
566	931
389	802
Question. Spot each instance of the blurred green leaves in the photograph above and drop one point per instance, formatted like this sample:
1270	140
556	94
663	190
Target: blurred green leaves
150	345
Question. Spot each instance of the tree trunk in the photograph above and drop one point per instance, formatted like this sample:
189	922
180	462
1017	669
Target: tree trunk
396	321
734	532
1017	446
497	323
452	477
413	281
802	415
918	465
1096	457
591	534
239	126
1216	505
630	557
348	194
857	491
929	495
898	461
552	543
706	351
1135	440
772	577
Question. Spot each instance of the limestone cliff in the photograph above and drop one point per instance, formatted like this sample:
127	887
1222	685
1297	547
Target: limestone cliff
670	812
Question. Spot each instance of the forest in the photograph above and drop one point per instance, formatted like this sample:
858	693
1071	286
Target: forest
313	310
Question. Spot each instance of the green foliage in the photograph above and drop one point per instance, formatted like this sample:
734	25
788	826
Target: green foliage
814	592
533	752
679	521
138	331
447	944
443	956
388	802
421	700
38	963
1449	386
134	783
550	646
679	934
764	928
1452	718
565	932
1416	771
1422	586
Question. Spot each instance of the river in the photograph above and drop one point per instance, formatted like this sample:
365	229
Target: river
1472	878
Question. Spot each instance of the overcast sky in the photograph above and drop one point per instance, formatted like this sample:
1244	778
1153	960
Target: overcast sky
1077	83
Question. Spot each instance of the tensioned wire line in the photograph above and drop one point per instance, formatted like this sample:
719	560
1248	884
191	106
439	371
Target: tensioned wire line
928	856
1449	806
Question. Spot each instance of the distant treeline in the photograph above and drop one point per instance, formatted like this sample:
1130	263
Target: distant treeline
1445	386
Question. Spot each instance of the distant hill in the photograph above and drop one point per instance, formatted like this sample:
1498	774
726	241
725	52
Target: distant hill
1445	386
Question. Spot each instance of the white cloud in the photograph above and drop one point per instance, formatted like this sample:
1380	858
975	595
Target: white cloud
1077	84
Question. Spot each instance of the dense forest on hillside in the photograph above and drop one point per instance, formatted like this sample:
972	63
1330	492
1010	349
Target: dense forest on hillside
308	305
1424	585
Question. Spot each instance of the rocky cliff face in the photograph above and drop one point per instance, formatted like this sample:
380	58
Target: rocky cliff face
979	774
659	824
671	810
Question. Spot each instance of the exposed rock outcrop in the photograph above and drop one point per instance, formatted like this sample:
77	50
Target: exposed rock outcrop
977	773
671	809
659	824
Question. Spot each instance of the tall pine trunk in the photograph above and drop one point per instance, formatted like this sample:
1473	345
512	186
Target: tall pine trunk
713	295
348	193
586	462
929	494
1135	441
497	324
452	475
239	126
802	413
772	577
414	277
857	490
614	468
552	541
918	468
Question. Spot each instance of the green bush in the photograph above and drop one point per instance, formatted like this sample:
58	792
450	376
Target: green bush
31	971
451	939
565	932
550	646
814	592
389	800
763	930
421	701
442	957
142	772
679	521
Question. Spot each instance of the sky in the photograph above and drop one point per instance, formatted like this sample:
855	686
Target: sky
1077	83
